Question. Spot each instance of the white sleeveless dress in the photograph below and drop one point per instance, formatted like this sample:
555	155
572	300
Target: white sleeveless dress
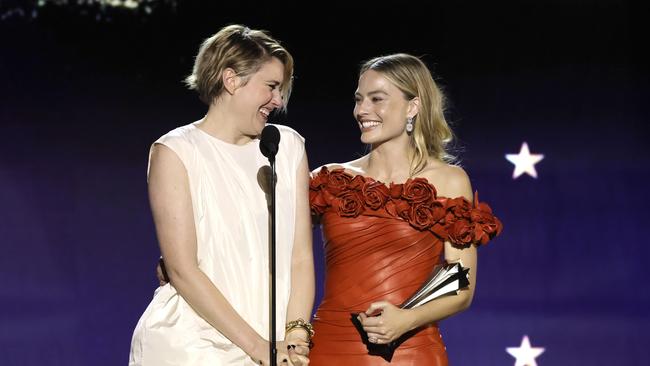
232	229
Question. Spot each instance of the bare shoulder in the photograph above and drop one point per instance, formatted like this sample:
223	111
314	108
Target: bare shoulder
353	167
329	166
450	180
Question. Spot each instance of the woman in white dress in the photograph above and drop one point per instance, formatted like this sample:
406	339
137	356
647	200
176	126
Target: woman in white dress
207	193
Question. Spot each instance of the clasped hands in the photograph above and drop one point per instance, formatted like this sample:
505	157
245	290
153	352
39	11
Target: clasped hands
292	351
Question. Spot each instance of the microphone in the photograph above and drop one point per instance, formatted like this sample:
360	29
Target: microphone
269	141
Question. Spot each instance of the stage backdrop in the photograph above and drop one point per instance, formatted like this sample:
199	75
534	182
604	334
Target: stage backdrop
561	89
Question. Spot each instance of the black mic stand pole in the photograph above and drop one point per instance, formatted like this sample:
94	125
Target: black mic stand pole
269	141
272	344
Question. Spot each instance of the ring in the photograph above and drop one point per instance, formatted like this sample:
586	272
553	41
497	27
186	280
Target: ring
372	340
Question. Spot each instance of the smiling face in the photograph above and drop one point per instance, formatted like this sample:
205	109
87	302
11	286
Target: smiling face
381	109
258	97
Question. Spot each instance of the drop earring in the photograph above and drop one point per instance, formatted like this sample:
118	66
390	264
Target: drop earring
409	124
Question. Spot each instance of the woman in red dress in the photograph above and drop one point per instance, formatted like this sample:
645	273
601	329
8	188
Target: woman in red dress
388	218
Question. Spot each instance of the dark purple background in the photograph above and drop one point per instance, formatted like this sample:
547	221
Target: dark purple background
81	101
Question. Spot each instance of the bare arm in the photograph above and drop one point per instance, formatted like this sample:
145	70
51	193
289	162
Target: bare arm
171	204
394	321
301	299
447	306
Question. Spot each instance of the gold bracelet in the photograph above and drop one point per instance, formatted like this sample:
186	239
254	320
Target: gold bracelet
300	323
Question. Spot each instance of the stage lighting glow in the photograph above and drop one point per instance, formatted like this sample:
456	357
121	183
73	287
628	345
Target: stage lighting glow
100	10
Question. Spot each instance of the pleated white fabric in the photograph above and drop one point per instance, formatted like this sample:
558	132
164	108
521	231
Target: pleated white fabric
232	228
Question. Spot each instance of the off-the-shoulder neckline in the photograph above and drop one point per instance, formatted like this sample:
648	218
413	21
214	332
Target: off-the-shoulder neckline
353	175
388	184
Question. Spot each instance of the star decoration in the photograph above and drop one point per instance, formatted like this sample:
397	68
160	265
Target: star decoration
524	162
525	354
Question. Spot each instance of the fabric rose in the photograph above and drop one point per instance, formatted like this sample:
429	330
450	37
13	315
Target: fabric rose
461	233
486	225
349	204
395	190
357	183
418	190
337	181
399	208
424	215
317	202
319	180
317	195
375	194
457	208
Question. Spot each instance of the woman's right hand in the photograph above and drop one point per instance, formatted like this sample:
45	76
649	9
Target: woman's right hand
260	354
297	347
161	274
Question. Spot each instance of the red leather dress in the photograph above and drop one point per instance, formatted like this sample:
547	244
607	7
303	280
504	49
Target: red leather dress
381	243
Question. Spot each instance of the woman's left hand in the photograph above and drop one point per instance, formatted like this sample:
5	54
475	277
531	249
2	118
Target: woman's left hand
384	322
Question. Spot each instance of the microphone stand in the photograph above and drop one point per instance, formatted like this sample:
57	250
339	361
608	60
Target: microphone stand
272	344
269	143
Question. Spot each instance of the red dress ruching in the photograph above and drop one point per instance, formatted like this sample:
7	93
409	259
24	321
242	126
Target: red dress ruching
381	243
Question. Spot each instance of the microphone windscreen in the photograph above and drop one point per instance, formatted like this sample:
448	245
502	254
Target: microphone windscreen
269	141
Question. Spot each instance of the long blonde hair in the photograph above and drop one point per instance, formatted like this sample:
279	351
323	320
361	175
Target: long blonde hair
432	134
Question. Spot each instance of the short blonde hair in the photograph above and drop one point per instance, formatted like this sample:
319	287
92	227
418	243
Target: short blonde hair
242	49
432	133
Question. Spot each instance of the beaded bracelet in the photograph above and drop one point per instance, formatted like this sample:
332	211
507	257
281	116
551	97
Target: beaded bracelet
300	323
